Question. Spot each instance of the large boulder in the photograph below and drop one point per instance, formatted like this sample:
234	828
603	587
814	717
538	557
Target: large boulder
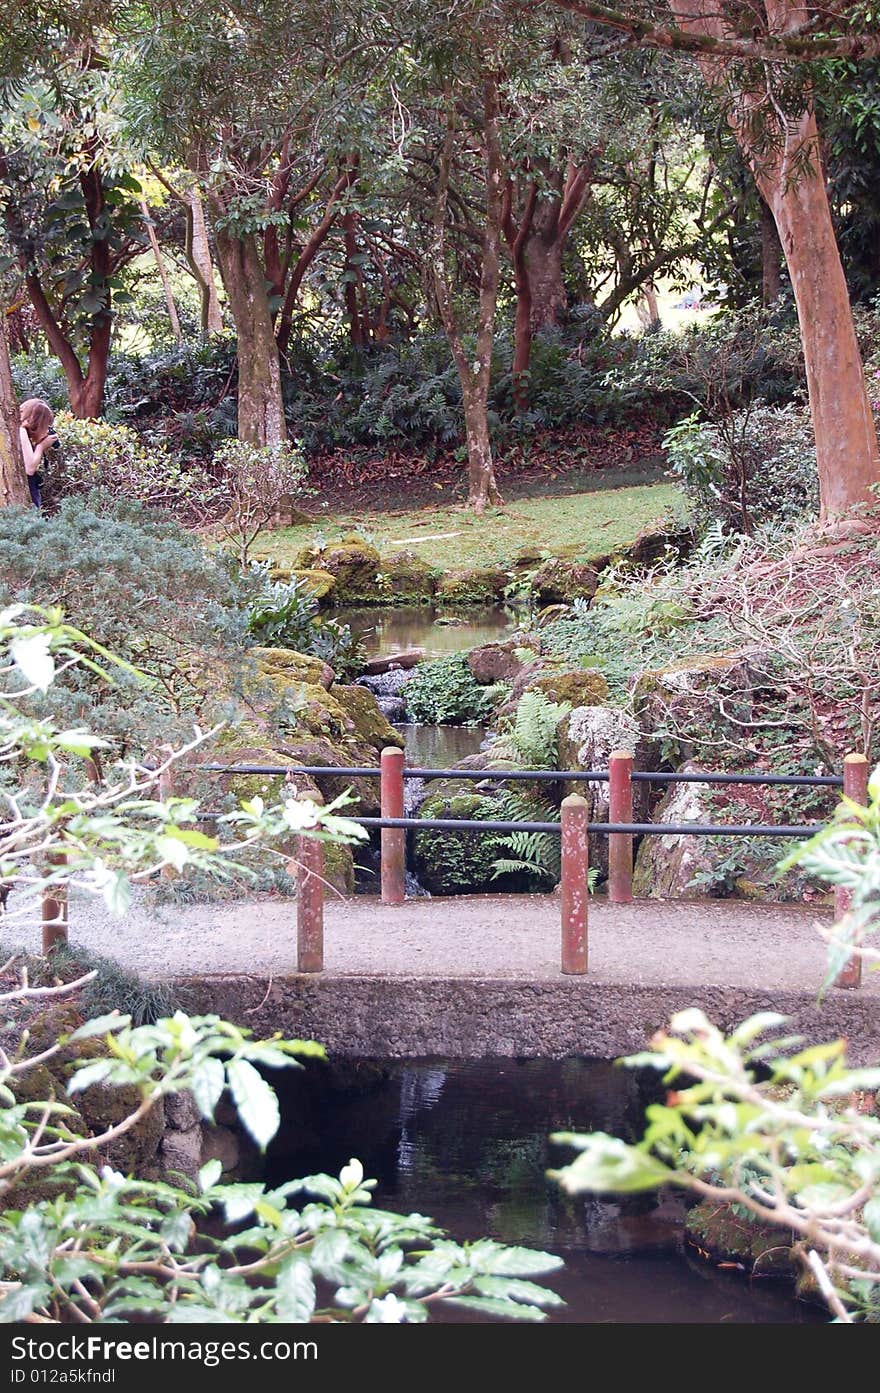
370	725
409	579
317	751
495	662
558	581
586	738
454	863
479	586
666	866
355	565
578	686
293	666
696	700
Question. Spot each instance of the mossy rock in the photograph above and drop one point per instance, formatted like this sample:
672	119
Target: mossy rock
371	726
320	583
577	686
723	1236
295	667
246	743
454	863
339	866
682	698
559	581
354	564
316	751
408	579
479	586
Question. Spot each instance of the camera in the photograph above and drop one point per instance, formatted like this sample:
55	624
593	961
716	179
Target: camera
54	442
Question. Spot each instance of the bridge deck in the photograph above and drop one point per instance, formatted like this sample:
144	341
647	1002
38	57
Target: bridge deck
480	974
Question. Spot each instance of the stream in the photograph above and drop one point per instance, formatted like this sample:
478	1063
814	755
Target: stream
467	1143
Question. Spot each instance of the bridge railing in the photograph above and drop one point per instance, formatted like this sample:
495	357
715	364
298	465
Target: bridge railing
574	828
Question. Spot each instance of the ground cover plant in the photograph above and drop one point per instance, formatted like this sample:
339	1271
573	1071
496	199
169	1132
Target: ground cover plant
591	524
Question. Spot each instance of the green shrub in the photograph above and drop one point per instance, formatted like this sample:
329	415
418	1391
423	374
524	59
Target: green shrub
144	588
444	692
758	466
116	460
285	614
249	484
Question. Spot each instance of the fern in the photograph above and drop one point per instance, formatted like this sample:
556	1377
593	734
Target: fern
531	739
536	854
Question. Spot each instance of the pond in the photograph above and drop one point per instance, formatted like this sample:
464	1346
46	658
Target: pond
466	1142
395	629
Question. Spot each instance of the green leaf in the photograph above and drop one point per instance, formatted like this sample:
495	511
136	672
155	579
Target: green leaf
176	1230
607	1164
871	1216
101	1025
208	1082
295	1291
32	656
209	1175
255	1100
493	1306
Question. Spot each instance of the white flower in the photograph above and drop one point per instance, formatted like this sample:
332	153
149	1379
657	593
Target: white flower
300	814
351	1175
388	1310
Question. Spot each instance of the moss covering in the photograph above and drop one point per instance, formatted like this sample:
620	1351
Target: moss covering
408	579
454	863
559	581
295	667
321	583
354	564
725	1236
370	724
577	686
479	586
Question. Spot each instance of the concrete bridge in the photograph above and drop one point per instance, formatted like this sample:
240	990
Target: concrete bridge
480	975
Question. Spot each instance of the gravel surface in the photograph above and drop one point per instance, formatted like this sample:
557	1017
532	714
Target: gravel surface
716	942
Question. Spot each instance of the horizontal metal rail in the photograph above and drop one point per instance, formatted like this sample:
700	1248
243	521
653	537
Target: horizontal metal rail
531	775
647	829
657	829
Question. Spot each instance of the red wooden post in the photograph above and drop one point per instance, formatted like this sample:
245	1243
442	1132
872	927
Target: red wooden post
310	905
393	839
855	786
575	863
620	844
54	908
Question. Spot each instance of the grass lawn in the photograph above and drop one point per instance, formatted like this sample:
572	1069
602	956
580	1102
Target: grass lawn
453	537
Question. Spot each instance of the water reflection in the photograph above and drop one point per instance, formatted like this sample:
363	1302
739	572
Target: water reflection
466	1141
394	630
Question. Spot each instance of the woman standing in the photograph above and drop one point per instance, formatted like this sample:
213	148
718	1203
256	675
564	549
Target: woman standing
37	436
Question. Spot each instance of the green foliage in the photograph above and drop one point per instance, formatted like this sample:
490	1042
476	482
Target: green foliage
285	614
771	1126
535	855
530	740
115	460
846	853
249	484
760	467
144	588
444	691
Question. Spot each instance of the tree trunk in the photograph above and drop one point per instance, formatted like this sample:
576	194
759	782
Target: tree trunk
787	168
771	257
173	317
846	439
260	404
648	307
482	488
14	492
200	255
543	250
475	374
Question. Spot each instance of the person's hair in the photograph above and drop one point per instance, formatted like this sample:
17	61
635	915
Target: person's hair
36	417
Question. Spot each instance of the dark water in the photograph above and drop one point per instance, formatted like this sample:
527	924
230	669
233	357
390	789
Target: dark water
440	747
393	630
466	1142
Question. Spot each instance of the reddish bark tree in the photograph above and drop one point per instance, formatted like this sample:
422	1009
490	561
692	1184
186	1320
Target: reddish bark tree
474	372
